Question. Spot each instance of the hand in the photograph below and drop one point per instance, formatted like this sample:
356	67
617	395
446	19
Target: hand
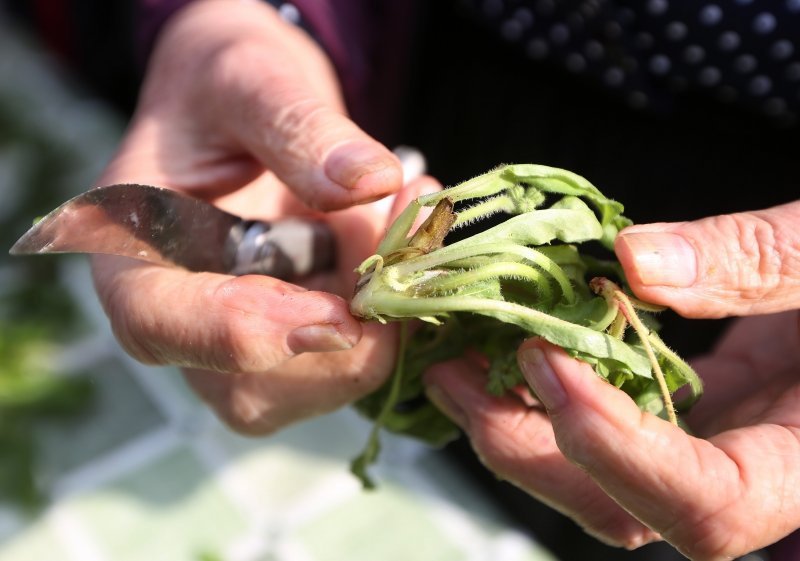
629	477
243	110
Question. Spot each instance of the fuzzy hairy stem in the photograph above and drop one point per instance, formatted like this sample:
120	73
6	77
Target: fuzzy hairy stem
644	336
455	280
457	252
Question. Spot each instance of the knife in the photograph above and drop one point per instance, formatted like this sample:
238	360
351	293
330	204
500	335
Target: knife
166	227
169	228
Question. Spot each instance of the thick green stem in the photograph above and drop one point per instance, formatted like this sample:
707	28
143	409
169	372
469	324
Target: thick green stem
395	237
618	327
611	315
373	447
452	253
500	203
557	331
484	185
455	280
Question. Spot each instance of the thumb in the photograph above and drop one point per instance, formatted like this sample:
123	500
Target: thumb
252	323
300	131
263	86
736	264
327	161
708	498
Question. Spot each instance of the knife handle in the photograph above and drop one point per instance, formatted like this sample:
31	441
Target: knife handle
292	248
285	249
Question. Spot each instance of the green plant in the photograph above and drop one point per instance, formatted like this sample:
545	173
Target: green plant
490	291
35	317
30	392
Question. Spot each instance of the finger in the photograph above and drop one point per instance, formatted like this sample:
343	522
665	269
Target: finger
216	322
736	264
276	111
516	442
752	354
711	502
302	387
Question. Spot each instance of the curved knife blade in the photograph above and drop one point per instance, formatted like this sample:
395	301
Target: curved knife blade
166	227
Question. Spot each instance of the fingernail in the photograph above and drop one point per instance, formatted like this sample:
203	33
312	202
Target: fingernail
662	259
318	338
347	163
447	405
542	379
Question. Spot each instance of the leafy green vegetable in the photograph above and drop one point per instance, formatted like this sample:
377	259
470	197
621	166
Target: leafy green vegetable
490	291
30	392
35	318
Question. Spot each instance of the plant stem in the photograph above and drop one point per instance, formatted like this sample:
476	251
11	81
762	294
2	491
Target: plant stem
644	336
558	331
500	203
395	237
373	446
618	327
452	281
695	384
485	185
455	252
609	318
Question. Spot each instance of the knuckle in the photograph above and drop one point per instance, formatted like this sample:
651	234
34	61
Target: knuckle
706	543
306	123
135	343
618	530
239	400
761	269
238	341
306	128
710	538
506	442
254	102
298	114
762	257
247	414
241	420
585	450
223	64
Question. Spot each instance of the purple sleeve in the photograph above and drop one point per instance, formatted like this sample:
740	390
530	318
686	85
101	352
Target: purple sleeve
367	42
788	549
342	30
150	18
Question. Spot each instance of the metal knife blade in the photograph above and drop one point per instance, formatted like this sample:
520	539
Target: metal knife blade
166	227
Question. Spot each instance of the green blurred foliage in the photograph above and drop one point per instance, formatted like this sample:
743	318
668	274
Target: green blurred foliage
37	314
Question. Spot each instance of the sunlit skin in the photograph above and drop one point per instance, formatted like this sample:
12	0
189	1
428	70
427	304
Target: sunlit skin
630	478
243	110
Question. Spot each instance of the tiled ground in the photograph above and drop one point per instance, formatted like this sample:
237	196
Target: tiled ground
149	474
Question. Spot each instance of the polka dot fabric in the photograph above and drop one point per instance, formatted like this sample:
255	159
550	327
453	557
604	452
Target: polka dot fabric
744	52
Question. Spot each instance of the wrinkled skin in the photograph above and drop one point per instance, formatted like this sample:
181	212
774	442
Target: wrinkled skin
244	111
628	477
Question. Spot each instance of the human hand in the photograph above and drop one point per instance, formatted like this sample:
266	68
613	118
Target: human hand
629	477
243	110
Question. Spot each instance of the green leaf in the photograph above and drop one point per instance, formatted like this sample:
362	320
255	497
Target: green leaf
523	277
555	180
